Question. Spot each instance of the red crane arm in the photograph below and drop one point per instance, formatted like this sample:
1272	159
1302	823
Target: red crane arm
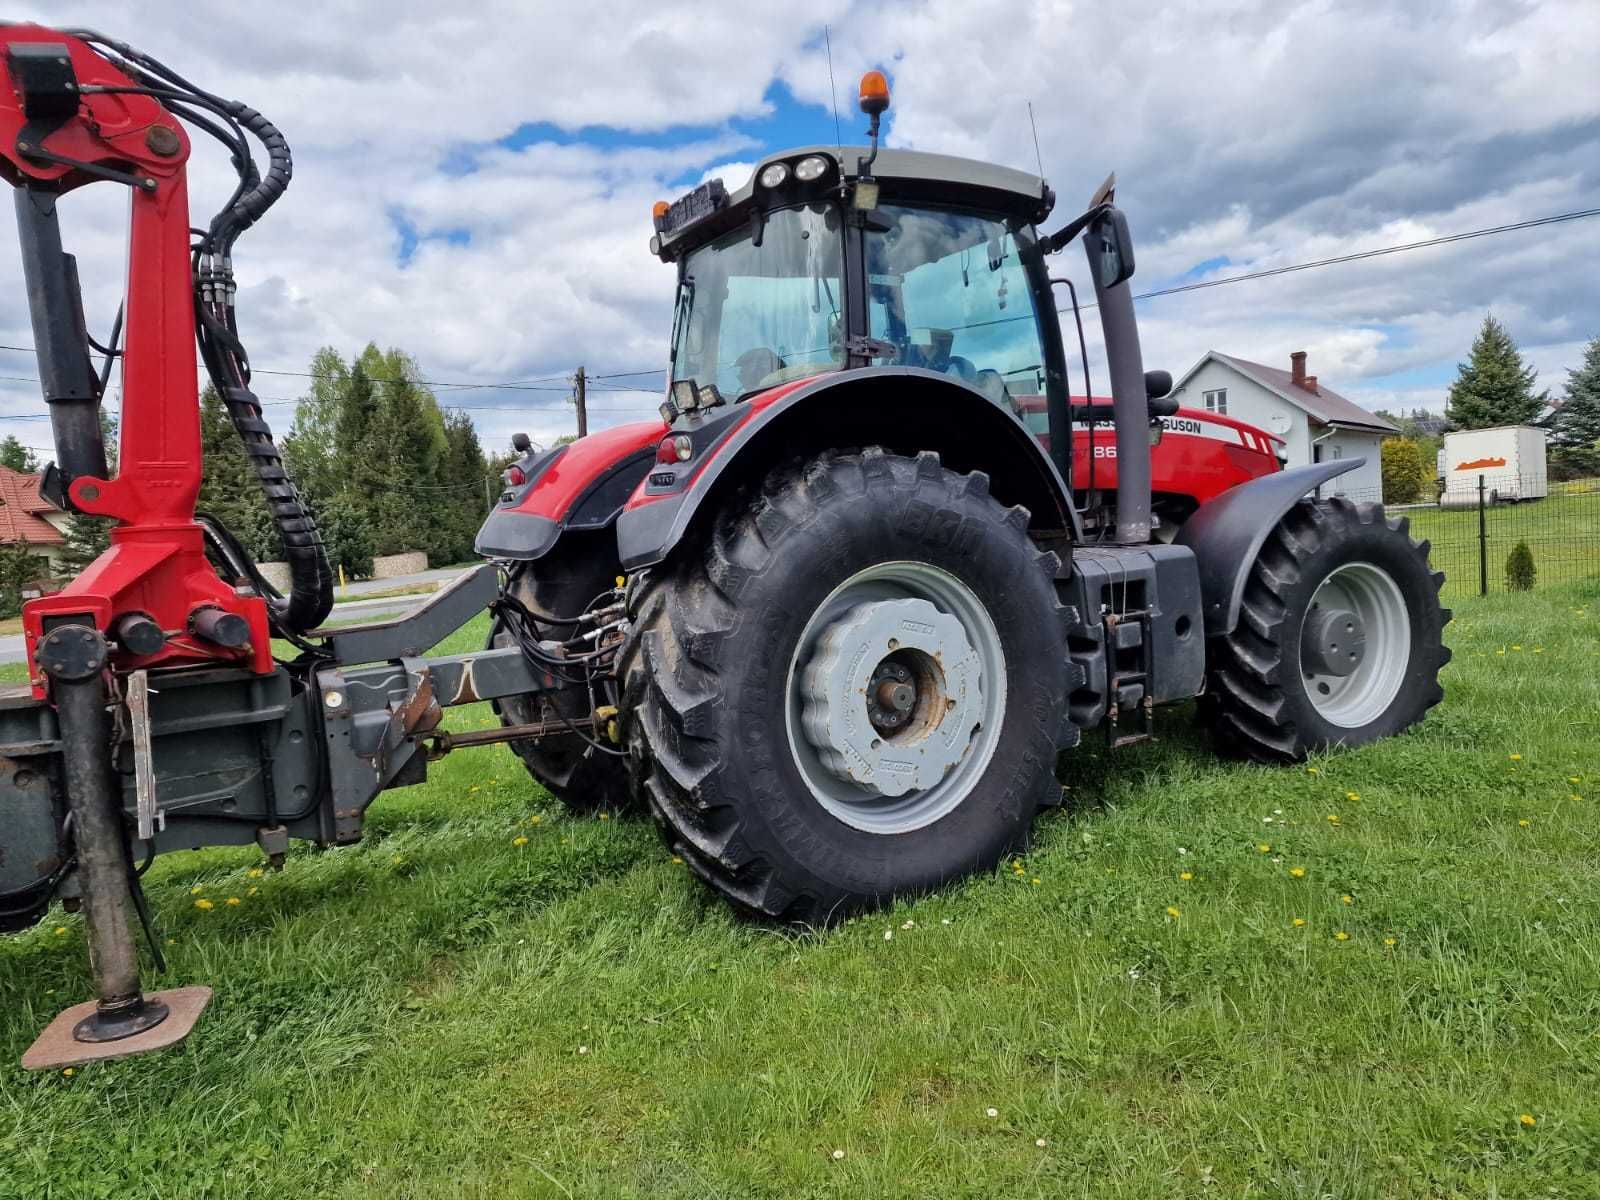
70	117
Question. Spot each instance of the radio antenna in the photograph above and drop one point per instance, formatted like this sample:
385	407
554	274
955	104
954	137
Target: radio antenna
838	137
1037	157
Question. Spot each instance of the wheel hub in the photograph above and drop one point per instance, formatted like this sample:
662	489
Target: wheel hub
892	695
1335	641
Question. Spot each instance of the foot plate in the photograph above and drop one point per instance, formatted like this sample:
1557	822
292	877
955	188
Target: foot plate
56	1047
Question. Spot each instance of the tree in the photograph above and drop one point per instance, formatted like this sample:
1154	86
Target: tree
229	489
1577	421
1520	571
18	568
86	539
18	457
400	461
311	447
472	492
1494	387
1406	471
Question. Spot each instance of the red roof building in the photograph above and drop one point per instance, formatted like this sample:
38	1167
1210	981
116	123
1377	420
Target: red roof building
25	515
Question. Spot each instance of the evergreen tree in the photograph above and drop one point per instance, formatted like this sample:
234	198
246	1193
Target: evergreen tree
471	491
18	457
86	539
401	460
229	489
18	568
311	447
1494	387
1577	421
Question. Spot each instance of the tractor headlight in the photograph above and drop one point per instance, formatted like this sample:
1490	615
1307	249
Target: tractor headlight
774	174
685	395
810	168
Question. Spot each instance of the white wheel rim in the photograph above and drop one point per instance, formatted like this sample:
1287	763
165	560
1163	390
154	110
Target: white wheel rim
1355	700
966	678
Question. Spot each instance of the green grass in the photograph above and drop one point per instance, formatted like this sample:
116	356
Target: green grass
440	1012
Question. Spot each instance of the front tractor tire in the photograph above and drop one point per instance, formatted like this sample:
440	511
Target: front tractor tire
850	688
1339	640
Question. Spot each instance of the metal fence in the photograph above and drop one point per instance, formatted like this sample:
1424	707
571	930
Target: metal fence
1474	525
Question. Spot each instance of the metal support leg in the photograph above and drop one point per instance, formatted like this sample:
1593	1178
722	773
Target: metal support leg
123	1020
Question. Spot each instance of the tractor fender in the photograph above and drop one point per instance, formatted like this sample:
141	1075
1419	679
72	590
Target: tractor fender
902	409
578	486
1227	533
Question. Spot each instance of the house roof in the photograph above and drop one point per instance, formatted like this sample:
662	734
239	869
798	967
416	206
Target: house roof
20	509
1324	405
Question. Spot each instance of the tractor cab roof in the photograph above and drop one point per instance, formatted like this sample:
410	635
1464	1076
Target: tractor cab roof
815	173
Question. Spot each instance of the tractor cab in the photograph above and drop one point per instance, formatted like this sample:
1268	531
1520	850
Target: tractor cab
835	258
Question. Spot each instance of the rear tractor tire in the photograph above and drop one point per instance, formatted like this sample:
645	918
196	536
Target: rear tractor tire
583	778
1340	637
850	688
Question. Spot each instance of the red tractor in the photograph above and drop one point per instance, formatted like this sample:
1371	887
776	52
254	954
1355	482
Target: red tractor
836	619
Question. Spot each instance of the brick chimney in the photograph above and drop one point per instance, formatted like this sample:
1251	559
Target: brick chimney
1297	372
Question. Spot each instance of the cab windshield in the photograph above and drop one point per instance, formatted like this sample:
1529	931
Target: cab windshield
756	309
948	291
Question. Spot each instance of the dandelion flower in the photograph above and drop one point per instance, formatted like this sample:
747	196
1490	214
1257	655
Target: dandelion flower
1173	912
1574	796
1516	647
1036	881
533	820
1514	757
837	1155
1333	818
1574	779
1299	922
1186	876
252	891
233	902
1527	1119
1341	936
1523	823
605	816
677	861
204	905
473	788
1264	847
69	1072
519	840
1297	872
1347	899
991	1112
197	889
1352	796
60	929
255	872
398	859
1391	942
1313	771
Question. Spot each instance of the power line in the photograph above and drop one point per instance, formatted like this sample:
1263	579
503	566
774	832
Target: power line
1358	255
561	386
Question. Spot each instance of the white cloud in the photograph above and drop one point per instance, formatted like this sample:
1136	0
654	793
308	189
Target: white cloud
1262	133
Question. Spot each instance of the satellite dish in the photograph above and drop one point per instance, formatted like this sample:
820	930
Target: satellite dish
1280	422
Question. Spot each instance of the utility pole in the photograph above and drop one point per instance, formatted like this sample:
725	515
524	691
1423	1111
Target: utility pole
579	388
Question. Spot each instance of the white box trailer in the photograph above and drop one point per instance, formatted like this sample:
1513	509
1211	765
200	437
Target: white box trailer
1509	458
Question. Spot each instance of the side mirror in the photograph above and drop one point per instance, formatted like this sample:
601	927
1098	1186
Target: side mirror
1157	384
1110	249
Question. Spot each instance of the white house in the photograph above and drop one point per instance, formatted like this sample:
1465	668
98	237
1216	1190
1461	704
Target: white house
1315	422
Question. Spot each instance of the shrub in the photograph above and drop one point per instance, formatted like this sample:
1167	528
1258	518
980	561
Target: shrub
1520	571
1406	471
